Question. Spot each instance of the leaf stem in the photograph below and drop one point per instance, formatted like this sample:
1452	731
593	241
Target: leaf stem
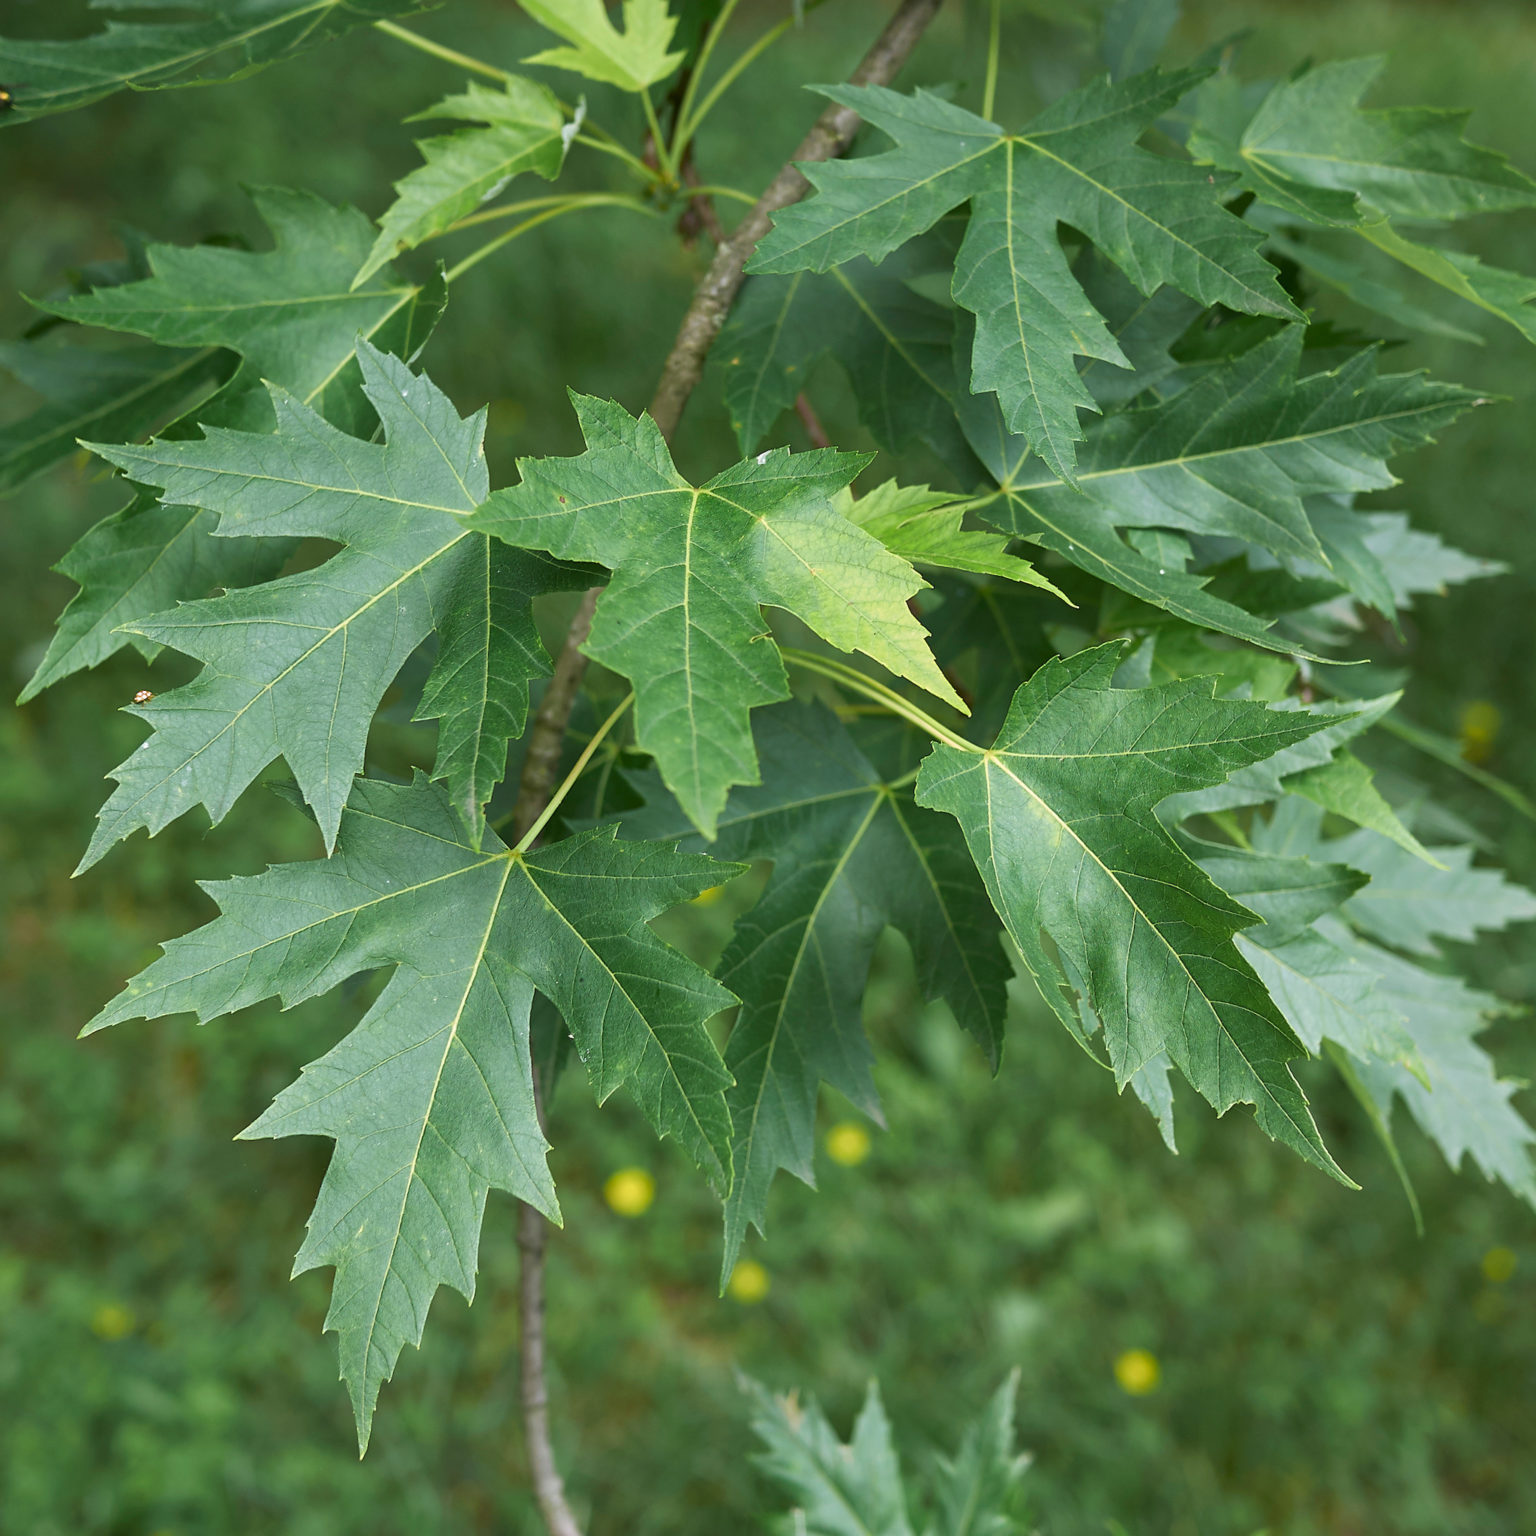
567	202
710	189
569	782
688	125
994	54
475	257
700	64
872	688
611	146
438	51
663	153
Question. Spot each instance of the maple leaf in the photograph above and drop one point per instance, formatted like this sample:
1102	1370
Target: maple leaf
839	1490
1413	1030
296	667
289	314
1059	817
924	528
857	1489
893	343
631	60
430	1098
222	39
1241	452
1160	220
1410	903
692	566
1323	991
852	855
1460	1102
92	392
1308	149
526	131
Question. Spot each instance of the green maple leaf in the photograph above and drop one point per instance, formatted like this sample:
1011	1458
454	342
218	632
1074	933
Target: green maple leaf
857	1489
692	566
1309	150
839	1490
1410	903
1415	562
973	1492
289	314
1160	220
1459	1101
631	60
92	392
1240	453
430	1099
894	344
923	527
1312	150
852	855
1413	1030
296	667
221	40
1059	817
1324	992
526	132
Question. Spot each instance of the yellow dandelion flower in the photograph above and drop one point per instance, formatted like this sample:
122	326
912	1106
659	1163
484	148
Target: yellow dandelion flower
848	1143
112	1321
1498	1265
749	1282
629	1192
1138	1372
1480	722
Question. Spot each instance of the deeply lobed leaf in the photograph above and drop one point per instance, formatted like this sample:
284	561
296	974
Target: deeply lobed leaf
430	1099
692	567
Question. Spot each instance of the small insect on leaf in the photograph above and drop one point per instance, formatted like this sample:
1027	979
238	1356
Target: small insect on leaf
7	98
143	696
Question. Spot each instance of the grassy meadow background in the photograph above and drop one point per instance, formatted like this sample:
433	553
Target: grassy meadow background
1322	1369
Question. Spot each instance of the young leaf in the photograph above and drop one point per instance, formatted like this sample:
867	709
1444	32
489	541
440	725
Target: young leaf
1059	817
525	132
224	38
1347	788
631	60
297	667
923	528
430	1098
92	392
682	616
289	313
839	1490
1160	220
852	855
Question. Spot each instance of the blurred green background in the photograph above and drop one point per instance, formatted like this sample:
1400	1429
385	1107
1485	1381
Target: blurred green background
1322	1369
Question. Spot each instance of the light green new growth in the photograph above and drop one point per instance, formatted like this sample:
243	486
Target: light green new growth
692	567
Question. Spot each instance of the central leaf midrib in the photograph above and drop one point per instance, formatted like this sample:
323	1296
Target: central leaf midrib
1135	906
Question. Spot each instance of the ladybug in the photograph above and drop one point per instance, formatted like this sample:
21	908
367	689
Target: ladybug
7	98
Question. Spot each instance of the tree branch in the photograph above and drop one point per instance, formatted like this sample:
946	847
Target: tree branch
831	135
712	299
